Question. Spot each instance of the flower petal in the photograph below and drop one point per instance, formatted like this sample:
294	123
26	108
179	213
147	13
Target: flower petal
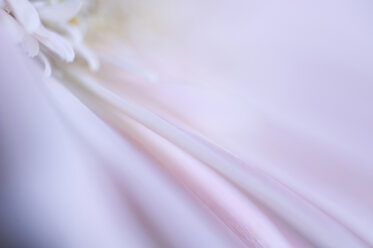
26	14
15	31
47	65
30	45
61	12
89	56
56	43
73	32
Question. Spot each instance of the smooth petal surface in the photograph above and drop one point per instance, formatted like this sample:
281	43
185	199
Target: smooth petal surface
14	29
285	91
257	131
70	181
56	43
26	14
31	46
61	12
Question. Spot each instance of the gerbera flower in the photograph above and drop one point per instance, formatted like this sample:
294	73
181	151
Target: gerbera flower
185	124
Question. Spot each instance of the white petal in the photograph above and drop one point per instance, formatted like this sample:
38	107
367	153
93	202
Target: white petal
47	65
30	45
55	43
89	56
16	32
73	32
61	12
26	14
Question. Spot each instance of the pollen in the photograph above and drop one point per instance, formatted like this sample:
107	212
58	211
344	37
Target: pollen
74	21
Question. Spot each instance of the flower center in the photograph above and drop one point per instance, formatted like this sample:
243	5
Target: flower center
49	30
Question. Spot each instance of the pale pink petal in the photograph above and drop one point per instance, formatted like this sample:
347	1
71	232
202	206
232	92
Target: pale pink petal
257	132
281	90
30	45
26	14
62	191
15	30
56	43
47	65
